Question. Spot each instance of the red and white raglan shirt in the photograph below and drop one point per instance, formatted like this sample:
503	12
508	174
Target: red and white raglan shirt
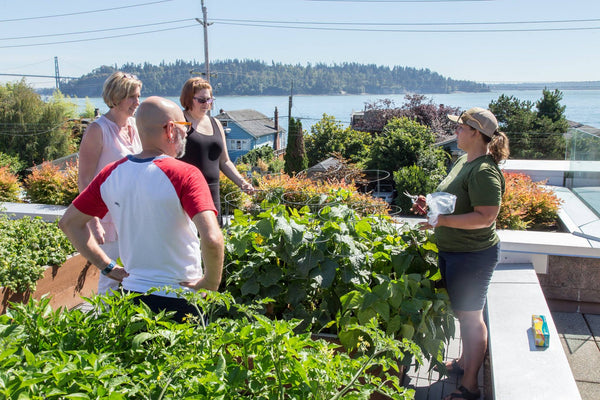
152	202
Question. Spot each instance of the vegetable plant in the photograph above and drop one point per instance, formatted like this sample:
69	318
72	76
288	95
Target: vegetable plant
122	351
334	269
27	245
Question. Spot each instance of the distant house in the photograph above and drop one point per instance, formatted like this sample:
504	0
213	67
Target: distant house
450	145
249	129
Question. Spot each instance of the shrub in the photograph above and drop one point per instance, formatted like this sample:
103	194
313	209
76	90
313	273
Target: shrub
27	245
527	204
415	180
297	192
49	185
14	163
10	188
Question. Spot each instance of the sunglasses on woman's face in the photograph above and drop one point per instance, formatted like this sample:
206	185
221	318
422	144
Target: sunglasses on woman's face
203	100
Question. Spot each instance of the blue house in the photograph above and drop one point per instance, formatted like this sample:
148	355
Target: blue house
249	129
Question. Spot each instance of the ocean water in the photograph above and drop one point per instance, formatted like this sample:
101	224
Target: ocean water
582	106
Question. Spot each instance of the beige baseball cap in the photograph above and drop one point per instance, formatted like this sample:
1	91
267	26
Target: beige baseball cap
477	118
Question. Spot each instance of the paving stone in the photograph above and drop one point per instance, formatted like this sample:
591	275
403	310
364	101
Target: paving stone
594	323
588	390
571	325
582	355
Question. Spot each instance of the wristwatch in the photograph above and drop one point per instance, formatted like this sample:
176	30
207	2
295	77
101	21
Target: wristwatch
109	268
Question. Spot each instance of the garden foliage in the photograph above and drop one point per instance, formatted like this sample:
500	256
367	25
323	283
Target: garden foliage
123	351
47	184
334	269
527	205
10	187
27	246
13	163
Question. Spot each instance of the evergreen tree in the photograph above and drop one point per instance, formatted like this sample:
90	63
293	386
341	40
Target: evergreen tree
533	134
295	155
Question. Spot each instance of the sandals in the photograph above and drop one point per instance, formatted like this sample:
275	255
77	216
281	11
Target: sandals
464	393
454	368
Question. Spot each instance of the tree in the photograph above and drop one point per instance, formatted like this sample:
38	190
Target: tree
533	134
405	142
295	155
32	129
416	107
328	136
406	149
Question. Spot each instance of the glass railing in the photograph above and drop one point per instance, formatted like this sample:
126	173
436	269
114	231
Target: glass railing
583	153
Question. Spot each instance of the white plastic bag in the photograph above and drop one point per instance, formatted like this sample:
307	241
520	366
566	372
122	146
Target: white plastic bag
439	203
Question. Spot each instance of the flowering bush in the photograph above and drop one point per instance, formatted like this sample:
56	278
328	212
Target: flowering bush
49	185
9	185
297	192
527	204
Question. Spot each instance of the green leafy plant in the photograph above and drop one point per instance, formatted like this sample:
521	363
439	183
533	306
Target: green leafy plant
14	163
308	263
122	351
417	180
26	246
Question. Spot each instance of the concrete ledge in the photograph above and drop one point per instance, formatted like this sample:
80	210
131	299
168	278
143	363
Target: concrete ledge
548	243
49	213
519	369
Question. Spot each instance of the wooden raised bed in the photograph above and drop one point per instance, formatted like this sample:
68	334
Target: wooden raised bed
65	284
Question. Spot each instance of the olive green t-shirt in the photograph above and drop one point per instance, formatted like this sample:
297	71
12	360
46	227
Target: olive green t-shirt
476	183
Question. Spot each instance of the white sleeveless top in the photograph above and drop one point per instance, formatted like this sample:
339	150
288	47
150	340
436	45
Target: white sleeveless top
114	147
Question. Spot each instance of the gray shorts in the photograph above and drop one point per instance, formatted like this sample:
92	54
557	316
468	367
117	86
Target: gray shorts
467	276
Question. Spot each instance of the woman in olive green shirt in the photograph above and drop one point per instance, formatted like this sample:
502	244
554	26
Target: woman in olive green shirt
467	239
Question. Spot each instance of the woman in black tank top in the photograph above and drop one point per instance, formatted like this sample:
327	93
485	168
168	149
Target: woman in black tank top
205	147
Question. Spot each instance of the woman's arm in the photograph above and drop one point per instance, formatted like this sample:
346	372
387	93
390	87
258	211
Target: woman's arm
481	217
228	167
90	150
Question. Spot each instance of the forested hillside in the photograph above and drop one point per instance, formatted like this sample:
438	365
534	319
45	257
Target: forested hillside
250	77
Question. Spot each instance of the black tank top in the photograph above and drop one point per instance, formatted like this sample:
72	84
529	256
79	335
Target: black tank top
204	152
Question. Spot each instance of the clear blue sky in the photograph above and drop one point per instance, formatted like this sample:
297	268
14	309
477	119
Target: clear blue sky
346	33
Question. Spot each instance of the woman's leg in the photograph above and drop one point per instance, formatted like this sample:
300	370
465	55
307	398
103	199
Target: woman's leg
474	336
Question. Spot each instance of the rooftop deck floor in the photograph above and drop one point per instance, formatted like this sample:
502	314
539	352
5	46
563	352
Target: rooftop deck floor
580	338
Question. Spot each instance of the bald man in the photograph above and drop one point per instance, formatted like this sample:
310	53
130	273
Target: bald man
159	205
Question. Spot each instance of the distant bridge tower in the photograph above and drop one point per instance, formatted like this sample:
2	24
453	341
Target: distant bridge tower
56	73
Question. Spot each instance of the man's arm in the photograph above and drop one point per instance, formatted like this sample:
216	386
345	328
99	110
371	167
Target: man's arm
212	247
73	223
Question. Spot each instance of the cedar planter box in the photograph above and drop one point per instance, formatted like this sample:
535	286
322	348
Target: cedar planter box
65	284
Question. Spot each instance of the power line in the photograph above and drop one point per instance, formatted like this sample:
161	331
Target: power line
400	1
83	12
408	23
98	30
98	38
413	30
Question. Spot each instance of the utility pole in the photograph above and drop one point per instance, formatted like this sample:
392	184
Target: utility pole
290	102
205	25
56	73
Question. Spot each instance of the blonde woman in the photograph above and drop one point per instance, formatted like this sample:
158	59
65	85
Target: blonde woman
110	138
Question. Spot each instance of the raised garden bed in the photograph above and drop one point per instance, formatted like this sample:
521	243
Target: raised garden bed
66	284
